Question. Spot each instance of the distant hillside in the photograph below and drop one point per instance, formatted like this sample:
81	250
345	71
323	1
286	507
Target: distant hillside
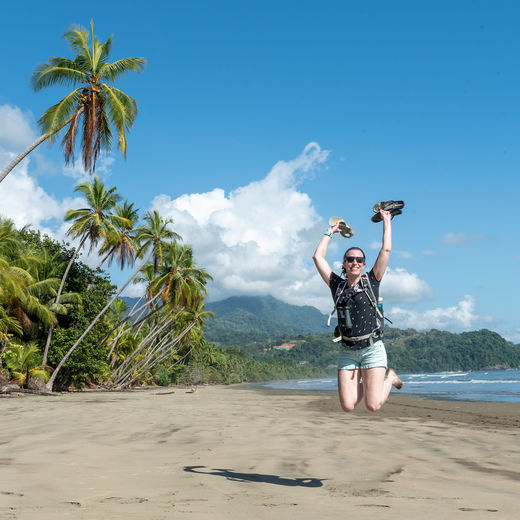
262	315
408	350
129	301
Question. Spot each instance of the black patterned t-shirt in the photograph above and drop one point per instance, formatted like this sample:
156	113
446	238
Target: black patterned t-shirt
362	312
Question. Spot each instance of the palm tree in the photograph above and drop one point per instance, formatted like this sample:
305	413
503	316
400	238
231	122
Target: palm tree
94	321
95	222
8	326
48	268
92	223
10	241
23	361
152	237
154	234
100	106
181	287
11	282
18	290
179	281
121	243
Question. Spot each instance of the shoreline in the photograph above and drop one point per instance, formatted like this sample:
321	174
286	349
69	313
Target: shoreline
479	413
488	414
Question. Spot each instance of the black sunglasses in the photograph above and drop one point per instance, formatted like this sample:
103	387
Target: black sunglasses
358	259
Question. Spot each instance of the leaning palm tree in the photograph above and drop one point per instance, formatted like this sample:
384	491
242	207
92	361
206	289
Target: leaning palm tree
151	248
181	287
94	106
93	223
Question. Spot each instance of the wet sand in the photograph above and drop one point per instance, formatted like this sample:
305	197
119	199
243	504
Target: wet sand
235	453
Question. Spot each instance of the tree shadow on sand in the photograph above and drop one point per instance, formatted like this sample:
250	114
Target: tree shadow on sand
257	477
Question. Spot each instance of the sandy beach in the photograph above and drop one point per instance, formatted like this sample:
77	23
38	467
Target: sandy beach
235	453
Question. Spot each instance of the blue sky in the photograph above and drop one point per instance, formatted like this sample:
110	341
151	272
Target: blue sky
258	120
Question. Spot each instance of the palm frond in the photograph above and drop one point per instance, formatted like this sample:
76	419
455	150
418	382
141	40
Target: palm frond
9	323
58	308
113	71
44	287
69	139
75	214
69	299
55	117
59	71
122	110
105	51
78	40
105	134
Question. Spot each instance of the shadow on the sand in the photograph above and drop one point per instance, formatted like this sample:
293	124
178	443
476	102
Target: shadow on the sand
258	477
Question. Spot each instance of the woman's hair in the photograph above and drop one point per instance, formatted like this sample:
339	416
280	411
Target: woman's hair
343	272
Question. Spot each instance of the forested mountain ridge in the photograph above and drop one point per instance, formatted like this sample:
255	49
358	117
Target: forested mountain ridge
256	324
262	314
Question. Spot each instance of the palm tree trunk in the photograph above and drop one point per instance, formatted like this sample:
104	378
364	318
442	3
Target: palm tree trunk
32	146
124	320
22	156
50	383
58	295
148	363
156	330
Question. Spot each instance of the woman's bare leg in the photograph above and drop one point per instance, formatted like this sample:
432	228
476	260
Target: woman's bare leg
376	388
350	389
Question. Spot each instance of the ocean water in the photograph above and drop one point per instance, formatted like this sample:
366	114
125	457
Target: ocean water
484	385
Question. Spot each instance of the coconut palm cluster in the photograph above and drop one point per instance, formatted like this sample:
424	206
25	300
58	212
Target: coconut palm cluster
163	327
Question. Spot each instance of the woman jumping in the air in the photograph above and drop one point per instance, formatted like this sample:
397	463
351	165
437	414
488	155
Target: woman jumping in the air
362	360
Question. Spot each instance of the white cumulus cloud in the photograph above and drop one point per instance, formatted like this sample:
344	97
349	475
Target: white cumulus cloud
259	238
23	200
400	286
458	318
15	129
27	203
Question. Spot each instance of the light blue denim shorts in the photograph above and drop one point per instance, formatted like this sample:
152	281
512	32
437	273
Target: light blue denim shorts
368	357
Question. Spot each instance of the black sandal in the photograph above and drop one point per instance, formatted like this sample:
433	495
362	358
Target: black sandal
393	206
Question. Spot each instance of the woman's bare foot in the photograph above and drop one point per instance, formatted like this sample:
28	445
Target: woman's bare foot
396	380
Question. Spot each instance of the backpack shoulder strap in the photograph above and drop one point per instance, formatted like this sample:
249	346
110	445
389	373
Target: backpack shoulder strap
339	292
371	296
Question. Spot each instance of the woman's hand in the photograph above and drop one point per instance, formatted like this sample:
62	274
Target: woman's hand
385	215
335	228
